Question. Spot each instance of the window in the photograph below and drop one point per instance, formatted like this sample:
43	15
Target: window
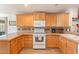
3	25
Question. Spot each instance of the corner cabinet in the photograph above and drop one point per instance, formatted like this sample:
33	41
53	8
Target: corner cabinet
67	46
63	20
16	45
71	47
62	44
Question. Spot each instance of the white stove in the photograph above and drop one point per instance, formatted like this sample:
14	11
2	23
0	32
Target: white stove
39	39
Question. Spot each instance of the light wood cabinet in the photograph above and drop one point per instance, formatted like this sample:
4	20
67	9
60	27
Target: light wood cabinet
25	20
4	47
13	46
16	45
39	16
28	20
63	20
51	41
67	46
62	44
71	47
28	41
19	20
51	20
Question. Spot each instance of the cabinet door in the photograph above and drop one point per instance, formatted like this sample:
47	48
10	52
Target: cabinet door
39	16
25	19
48	20
62	44
71	47
13	46
19	20
16	45
28	20
63	20
28	41
51	20
51	41
4	47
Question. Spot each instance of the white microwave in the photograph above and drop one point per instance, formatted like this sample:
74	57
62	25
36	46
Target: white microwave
39	23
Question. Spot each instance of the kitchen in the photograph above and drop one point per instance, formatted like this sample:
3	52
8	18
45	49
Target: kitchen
39	29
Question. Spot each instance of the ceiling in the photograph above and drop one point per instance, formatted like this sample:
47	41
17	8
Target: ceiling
20	8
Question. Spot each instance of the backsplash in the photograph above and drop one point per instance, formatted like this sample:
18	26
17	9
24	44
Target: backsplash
25	29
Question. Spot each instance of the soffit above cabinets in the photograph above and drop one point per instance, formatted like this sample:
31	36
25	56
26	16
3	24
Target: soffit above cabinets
20	8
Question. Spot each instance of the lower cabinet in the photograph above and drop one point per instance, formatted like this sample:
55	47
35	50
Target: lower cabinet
67	46
4	47
71	47
28	41
16	45
51	41
62	44
23	41
13	46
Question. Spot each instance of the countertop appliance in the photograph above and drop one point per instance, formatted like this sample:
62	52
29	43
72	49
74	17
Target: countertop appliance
39	39
53	30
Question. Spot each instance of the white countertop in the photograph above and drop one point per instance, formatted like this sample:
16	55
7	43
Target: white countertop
68	36
11	36
71	37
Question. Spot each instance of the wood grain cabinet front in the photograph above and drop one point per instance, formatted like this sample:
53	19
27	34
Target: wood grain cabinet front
51	20
19	20
25	20
71	47
67	46
51	41
28	41
16	44
63	20
13	46
4	47
62	44
39	16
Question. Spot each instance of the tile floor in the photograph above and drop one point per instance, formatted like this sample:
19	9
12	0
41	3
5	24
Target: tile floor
46	51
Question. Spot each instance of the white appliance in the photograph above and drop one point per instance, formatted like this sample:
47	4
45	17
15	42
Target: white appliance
39	39
39	23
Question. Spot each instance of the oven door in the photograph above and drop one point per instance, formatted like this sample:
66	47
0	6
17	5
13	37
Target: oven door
39	39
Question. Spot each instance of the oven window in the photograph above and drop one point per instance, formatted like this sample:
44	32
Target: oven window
38	39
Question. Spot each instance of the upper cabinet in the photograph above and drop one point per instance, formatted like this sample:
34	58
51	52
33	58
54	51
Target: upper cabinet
25	20
51	20
28	20
19	19
56	20
63	19
39	16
